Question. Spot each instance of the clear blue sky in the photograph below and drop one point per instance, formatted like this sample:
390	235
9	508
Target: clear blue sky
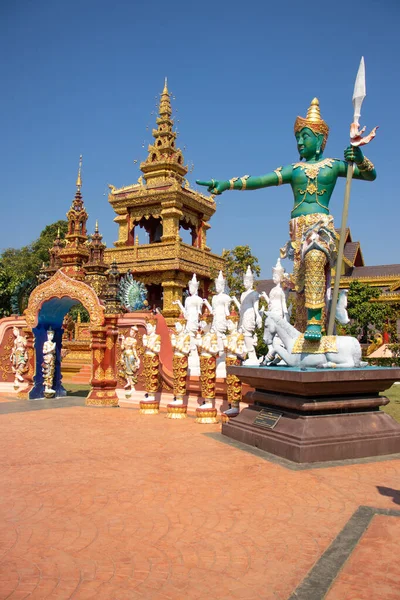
82	76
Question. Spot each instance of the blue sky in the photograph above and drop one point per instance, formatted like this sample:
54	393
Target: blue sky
82	76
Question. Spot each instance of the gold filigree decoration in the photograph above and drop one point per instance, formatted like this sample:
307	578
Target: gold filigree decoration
312	169
99	355
5	364
365	165
109	373
151	364
327	343
99	374
61	286
208	366
233	383
109	343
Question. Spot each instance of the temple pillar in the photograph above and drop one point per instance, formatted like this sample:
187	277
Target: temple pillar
203	239
29	375
103	346
171	215
172	291
123	231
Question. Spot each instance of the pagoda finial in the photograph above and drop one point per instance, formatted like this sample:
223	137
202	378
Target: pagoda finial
58	232
165	90
79	178
96	227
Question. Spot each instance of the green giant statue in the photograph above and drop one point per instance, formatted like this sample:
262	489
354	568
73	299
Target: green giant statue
312	244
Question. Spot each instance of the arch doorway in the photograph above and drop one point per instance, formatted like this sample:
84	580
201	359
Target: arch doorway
47	307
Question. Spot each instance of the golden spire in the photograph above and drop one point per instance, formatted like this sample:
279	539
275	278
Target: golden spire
165	103
96	227
79	178
165	90
313	113
165	160
58	232
313	121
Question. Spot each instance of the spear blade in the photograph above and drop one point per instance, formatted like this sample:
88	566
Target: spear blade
360	91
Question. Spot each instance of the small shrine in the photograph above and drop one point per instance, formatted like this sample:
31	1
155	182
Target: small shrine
163	203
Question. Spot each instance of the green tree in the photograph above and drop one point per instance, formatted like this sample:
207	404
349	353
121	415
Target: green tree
367	316
237	261
22	265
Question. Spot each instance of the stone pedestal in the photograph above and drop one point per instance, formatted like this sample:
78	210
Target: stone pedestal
206	415
322	415
176	411
149	407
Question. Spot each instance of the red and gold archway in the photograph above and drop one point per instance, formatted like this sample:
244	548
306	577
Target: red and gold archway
48	305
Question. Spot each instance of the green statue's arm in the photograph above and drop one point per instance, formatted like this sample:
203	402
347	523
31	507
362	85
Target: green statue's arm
363	168
277	177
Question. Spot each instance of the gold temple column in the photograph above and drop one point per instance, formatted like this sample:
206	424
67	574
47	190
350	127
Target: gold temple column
103	371
123	233
171	215
172	291
203	241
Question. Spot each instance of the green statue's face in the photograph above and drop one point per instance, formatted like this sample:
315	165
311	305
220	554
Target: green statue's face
308	144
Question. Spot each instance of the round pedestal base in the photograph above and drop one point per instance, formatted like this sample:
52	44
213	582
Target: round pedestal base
176	411
229	414
206	415
149	407
49	394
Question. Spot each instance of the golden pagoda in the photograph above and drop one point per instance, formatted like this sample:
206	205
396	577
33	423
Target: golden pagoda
75	254
163	203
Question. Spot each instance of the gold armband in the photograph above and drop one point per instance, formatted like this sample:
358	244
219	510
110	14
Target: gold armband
365	165
232	182
244	181
279	175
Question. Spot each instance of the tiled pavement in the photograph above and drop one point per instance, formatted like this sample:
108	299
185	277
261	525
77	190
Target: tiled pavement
108	504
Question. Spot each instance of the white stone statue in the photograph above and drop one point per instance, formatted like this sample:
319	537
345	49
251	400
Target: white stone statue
151	339
192	313
219	308
19	357
49	364
180	339
193	307
276	305
330	352
250	317
130	360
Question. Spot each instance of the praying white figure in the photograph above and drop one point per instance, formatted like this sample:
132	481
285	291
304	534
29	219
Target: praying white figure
250	317
219	308
192	312
276	304
193	307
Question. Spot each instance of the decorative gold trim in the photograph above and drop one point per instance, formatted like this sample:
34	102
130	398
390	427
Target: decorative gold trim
244	181
327	343
312	169
206	415
232	182
148	407
279	175
176	412
61	286
314	321
365	165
